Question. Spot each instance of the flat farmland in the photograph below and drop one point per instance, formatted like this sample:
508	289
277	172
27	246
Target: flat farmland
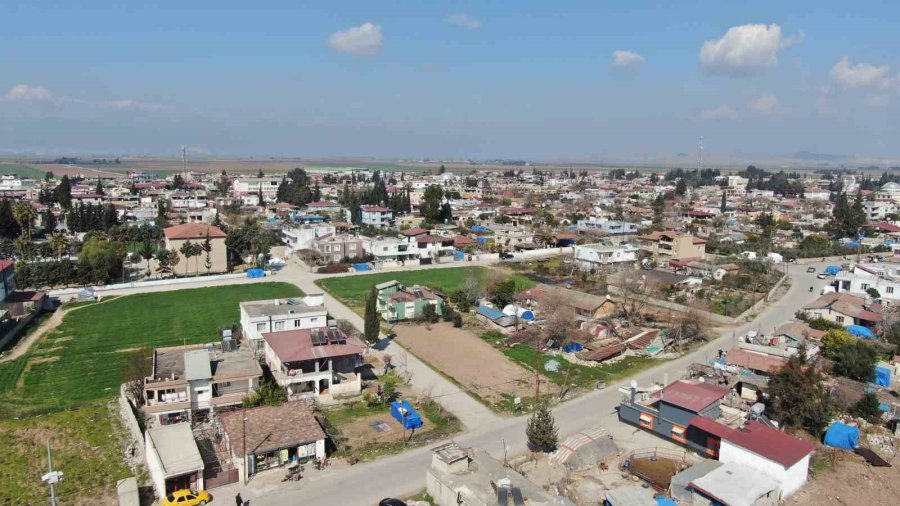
469	361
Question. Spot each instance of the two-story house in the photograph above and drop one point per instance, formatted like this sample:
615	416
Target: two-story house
334	248
667	245
390	249
599	255
188	379
882	277
396	302
315	362
281	315
376	216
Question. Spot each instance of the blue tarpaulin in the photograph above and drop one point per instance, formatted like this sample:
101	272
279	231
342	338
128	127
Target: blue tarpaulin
256	273
841	435
406	414
482	239
860	331
884	407
479	228
361	267
572	347
662	500
832	270
490	312
883	376
459	255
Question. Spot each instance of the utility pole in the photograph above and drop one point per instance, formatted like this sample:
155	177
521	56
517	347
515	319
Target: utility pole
52	477
244	443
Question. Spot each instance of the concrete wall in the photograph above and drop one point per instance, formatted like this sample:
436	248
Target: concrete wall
131	423
68	293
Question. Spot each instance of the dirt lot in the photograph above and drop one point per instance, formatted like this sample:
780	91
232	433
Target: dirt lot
850	481
468	359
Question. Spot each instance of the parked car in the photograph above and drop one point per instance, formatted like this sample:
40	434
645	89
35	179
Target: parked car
187	498
505	255
391	502
821	275
810	270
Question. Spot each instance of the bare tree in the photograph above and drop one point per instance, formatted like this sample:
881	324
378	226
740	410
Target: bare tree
137	368
558	310
633	295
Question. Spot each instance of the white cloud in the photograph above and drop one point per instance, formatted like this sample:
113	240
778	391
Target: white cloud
720	112
360	40
464	20
878	101
133	105
863	75
623	58
766	105
745	49
26	92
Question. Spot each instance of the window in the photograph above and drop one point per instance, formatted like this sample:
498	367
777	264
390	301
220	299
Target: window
296	323
279	325
865	286
646	420
839	319
224	384
679	434
890	289
313	320
260	327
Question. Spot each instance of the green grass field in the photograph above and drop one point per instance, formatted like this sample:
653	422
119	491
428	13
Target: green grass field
21	170
62	386
353	290
83	359
582	376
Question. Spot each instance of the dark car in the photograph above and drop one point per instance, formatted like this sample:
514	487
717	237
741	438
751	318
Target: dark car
810	270
391	502
505	255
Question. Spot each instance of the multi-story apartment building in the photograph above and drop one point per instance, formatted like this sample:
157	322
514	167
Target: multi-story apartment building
597	256
669	245
334	248
376	216
882	277
611	227
279	315
299	237
250	187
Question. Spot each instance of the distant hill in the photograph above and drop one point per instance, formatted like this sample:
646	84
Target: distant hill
806	155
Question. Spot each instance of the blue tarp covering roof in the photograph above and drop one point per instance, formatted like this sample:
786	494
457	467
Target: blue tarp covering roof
490	312
404	413
482	239
883	376
362	267
571	347
832	269
480	228
841	435
256	273
860	331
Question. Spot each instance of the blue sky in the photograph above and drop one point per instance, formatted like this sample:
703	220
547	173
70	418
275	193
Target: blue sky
516	79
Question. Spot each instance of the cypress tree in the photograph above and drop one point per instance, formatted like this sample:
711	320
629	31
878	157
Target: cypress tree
372	324
541	430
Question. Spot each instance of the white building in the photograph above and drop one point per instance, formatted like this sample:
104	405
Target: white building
390	249
278	315
173	458
376	216
304	236
611	227
596	256
879	209
252	186
770	451
884	277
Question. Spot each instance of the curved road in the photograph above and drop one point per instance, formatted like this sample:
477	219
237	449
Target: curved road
403	474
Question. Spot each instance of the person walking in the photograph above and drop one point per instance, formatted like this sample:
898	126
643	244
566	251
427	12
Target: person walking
238	501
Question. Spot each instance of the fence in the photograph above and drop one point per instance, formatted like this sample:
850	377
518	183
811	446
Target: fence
127	413
19	328
146	284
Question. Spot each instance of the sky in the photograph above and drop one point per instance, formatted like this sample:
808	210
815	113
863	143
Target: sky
538	80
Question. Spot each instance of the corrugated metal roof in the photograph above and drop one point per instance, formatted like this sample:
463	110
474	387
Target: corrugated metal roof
176	448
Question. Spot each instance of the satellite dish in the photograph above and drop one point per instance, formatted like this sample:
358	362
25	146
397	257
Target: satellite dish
633	384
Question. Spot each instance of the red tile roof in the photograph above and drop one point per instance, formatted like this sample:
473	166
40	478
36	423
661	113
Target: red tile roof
692	396
770	443
375	209
755	361
461	240
193	231
6	264
887	227
414	232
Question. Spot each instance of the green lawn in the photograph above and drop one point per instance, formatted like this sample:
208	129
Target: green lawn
22	170
85	448
579	375
83	360
352	290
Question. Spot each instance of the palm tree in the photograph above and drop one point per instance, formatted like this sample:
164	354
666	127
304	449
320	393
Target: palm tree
59	243
23	246
25	214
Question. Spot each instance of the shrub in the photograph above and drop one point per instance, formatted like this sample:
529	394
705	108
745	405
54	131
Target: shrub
457	320
834	341
867	408
856	361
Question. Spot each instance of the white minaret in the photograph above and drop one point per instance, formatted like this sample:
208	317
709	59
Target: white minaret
184	169
700	154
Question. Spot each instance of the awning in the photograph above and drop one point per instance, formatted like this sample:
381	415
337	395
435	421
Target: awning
677	430
645	417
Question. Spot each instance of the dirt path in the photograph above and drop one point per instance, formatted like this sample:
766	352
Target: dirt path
24	345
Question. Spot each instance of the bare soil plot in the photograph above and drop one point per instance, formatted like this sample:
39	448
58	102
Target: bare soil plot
850	481
469	360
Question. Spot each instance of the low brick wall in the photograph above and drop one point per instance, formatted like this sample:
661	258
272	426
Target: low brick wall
126	413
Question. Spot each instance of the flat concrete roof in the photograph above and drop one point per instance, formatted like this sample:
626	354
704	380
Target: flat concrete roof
735	485
277	307
176	448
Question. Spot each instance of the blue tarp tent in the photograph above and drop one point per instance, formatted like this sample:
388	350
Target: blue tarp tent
662	500
256	273
480	228
406	414
459	255
832	270
860	331
842	435
572	347
361	267
490	312
883	376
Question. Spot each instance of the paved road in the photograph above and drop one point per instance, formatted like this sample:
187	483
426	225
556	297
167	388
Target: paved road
403	474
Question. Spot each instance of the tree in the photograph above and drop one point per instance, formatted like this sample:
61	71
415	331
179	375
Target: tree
681	187
206	247
187	251
834	341
503	292
9	227
64	193
163	260
147	252
431	204
541	430
659	209
161	211
101	260
429	314
724	206
868	408
59	243
799	397
856	361
442	169
372	323
268	393
138	367
110	217
872	292
25	214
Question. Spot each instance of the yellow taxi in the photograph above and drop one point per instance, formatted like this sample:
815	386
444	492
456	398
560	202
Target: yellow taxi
186	498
